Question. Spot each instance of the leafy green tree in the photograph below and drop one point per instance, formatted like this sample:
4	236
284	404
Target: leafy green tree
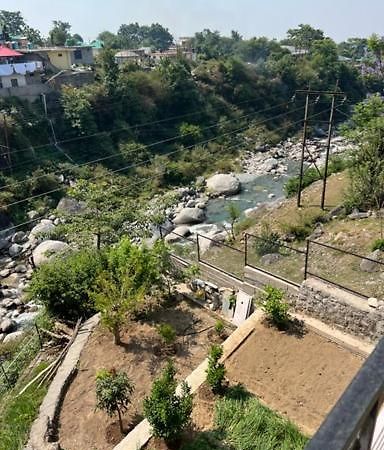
63	286
12	23
109	70
376	46
216	369
158	37
113	393
190	133
272	303
167	412
59	33
234	216
353	48
109	39
304	36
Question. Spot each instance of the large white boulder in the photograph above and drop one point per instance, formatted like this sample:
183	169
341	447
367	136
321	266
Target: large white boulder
48	250
44	227
223	184
177	234
189	215
70	205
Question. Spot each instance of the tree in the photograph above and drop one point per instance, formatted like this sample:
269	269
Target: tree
110	40
376	46
113	393
109	70
59	33
13	24
304	36
167	412
158	37
234	215
216	370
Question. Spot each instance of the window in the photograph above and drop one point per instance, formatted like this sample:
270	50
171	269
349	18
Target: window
59	54
78	54
14	82
1	84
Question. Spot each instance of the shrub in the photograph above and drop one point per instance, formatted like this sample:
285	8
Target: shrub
272	303
167	333
219	327
378	245
168	413
63	285
113	392
215	370
269	242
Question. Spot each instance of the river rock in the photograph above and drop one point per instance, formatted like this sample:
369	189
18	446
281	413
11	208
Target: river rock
32	215
18	237
356	215
189	215
70	205
177	234
4	244
7	325
270	258
21	268
13	336
44	227
369	265
223	184
47	250
15	250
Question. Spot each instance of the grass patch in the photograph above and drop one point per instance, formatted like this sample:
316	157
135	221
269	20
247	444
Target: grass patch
243	423
18	413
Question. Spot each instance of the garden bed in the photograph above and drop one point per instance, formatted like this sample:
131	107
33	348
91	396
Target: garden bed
80	425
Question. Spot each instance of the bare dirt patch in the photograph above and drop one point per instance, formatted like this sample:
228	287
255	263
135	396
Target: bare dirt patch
83	427
301	378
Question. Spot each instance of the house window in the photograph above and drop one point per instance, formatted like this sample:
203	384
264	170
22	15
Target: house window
78	54
59	54
1	84
14	82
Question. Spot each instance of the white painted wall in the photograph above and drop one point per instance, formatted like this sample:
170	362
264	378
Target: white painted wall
6	80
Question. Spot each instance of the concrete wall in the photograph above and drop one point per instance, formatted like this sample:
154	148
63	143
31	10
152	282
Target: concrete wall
339	308
6	81
30	92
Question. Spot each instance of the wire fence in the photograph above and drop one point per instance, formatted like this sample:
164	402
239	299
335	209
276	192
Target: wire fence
275	258
16	355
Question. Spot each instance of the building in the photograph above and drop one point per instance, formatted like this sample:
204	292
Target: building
173	53
137	56
16	72
65	58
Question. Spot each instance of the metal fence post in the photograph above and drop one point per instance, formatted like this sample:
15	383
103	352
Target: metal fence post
306	260
198	247
246	250
39	336
161	232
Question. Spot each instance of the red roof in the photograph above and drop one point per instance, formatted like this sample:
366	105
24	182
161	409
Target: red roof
6	52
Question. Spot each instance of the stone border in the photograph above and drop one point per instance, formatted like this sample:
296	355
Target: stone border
141	434
45	424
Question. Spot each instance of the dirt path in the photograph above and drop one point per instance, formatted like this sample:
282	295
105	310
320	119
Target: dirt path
83	428
301	378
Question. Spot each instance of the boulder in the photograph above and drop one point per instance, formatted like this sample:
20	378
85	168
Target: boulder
70	205
44	227
32	215
356	215
12	336
47	250
4	244
223	184
189	215
177	234
270	258
370	265
7	325
15	250
270	164
4	273
21	268
18	237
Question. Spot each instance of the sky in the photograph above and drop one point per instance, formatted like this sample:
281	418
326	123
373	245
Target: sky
339	19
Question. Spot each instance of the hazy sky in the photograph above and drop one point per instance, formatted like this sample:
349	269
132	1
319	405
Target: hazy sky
338	18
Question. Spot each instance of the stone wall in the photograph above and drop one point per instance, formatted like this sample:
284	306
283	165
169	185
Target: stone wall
30	92
337	307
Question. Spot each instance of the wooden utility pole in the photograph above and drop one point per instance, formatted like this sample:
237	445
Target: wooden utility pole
5	125
309	93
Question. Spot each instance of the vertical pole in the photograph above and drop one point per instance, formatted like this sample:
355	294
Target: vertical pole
44	100
198	247
5	374
303	150
161	232
246	250
39	336
330	125
7	142
306	260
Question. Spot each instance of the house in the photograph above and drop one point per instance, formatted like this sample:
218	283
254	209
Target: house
172	53
15	71
65	58
137	56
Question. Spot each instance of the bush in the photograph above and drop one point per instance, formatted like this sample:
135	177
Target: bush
219	327
168	413
63	285
272	303
167	333
378	245
113	392
269	242
215	370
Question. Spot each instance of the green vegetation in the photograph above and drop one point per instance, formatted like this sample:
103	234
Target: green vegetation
18	412
272	303
113	392
167	333
242	423
168	413
219	328
269	241
378	245
234	216
63	286
216	369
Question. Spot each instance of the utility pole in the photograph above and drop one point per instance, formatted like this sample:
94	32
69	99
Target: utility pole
309	93
44	100
5	125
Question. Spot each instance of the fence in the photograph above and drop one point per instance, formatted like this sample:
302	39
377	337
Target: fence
357	420
350	271
275	258
11	365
